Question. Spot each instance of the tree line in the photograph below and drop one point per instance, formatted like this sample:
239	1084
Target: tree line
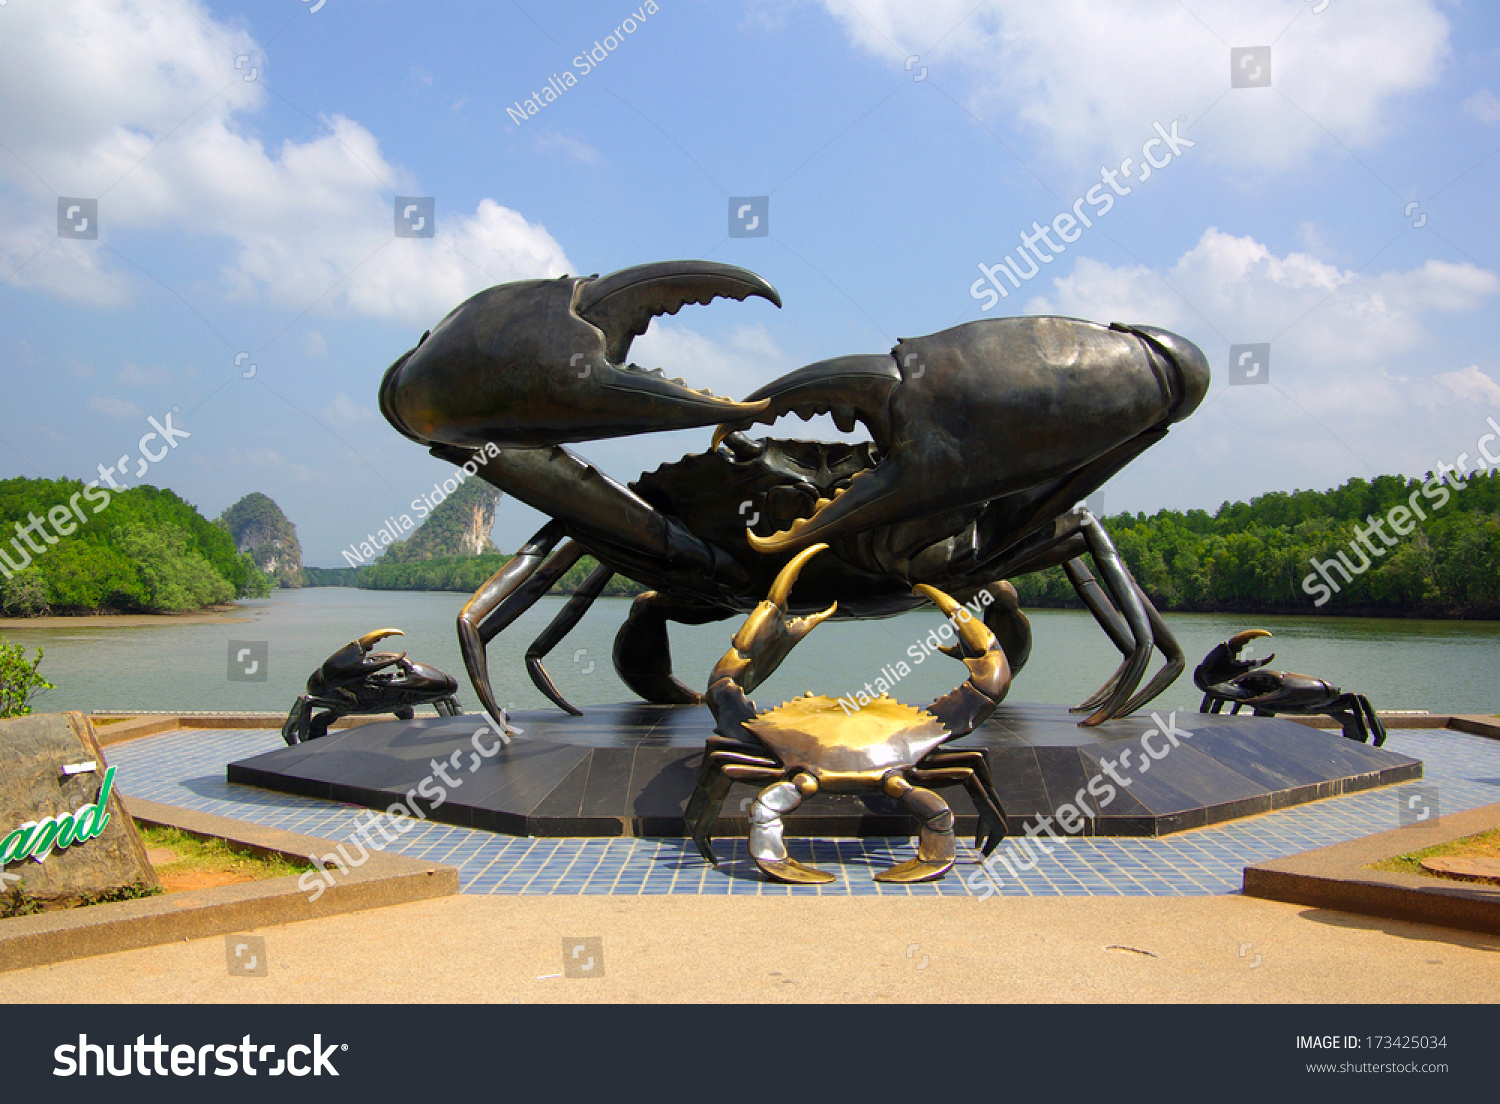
1259	556
458	573
1262	556
143	550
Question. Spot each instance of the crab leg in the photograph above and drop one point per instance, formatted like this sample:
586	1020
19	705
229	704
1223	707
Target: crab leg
610	521
1109	620
486	600
1093	596
298	721
972	769
767	847
703	808
561	625
713	788
1377	726
534	587
936	848
1170	649
1123	590
643	652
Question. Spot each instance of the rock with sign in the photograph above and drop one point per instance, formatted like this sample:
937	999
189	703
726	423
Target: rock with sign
65	837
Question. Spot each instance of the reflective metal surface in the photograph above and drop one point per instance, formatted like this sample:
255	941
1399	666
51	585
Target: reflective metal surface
1225	678
812	743
984	438
357	680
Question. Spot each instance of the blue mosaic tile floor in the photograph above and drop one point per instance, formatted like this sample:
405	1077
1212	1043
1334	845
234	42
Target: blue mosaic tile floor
187	769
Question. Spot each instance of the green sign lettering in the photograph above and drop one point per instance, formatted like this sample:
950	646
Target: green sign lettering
38	839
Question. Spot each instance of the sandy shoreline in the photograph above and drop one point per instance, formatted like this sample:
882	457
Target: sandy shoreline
226	615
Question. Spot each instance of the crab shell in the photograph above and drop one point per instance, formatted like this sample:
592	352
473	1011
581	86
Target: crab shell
847	749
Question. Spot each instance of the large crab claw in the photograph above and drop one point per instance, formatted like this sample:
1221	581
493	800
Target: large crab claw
541	362
1222	664
767	636
986	410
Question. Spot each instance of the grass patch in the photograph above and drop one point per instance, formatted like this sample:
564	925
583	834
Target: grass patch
195	857
99	722
215	856
1485	845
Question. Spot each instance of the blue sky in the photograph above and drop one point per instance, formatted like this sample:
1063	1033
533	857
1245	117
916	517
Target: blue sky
902	144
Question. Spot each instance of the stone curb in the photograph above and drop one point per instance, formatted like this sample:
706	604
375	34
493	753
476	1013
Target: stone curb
139	725
1474	724
198	914
1336	877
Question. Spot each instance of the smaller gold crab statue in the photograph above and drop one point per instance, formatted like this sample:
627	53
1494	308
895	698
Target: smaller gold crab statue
814	743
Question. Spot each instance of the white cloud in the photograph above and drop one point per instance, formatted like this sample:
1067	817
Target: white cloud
133	375
1355	389
575	148
272	468
314	344
142	107
1315	314
112	407
1484	106
1471	385
345	413
31	255
734	367
1090	78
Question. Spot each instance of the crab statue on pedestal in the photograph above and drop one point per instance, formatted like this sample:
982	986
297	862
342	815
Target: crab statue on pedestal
815	743
1225	678
356	680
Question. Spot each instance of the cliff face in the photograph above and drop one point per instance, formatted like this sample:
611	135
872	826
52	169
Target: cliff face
260	529
459	526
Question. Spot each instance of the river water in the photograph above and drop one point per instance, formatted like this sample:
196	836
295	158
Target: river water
1440	666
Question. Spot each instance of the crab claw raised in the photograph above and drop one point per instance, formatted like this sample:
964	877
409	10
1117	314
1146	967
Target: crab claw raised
767	635
970	705
542	362
1007	406
370	639
355	660
1222	664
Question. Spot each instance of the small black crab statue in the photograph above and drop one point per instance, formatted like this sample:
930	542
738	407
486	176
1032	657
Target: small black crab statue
1224	677
356	680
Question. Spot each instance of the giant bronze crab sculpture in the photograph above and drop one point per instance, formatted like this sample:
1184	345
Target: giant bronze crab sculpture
357	680
1224	679
983	440
817	743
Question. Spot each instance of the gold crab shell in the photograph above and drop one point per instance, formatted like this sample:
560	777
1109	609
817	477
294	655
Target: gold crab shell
819	734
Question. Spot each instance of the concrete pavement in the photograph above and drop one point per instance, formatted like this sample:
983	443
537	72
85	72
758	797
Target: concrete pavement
687	948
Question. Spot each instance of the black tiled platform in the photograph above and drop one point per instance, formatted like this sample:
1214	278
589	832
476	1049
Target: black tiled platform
627	770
